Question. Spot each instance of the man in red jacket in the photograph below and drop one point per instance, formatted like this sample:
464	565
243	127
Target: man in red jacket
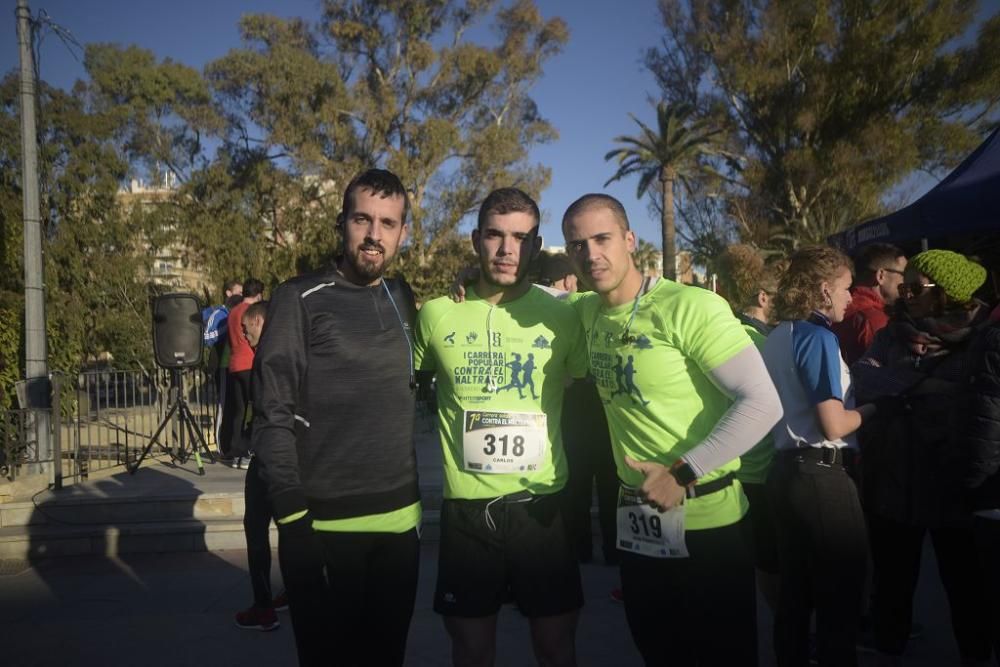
879	271
234	409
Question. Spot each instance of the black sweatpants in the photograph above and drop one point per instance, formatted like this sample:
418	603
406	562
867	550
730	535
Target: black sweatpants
987	536
256	527
700	610
358	610
822	558
896	551
234	414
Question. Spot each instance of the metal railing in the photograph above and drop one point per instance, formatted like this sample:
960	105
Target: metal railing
19	442
118	412
104	419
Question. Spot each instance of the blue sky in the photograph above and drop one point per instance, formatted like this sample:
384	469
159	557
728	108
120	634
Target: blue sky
587	91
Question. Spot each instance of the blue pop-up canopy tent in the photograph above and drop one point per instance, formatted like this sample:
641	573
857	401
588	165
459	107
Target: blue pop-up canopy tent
966	203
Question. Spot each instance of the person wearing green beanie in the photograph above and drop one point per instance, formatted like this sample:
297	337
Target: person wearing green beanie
915	372
956	275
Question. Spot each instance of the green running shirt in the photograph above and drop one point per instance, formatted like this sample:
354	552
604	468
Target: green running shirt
652	378
510	358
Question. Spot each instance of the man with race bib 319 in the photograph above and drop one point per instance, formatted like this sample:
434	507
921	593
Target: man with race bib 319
686	393
501	359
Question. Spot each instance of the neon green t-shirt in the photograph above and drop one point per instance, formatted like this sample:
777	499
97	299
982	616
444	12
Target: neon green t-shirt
651	375
497	368
755	464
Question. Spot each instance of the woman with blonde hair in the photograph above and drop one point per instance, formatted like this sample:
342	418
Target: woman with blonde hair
822	543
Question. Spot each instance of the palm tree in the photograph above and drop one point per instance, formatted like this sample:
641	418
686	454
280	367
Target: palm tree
646	256
665	154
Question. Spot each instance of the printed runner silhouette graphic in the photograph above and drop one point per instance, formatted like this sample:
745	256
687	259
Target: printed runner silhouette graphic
526	379
625	378
524	371
515	370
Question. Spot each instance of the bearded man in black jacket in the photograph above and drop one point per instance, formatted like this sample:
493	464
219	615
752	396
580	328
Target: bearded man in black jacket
334	387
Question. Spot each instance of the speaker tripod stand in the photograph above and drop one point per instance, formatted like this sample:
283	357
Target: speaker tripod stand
187	424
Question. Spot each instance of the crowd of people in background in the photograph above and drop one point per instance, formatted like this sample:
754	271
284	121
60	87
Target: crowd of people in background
796	435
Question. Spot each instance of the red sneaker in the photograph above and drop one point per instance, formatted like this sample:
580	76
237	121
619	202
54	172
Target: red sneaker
280	603
617	595
256	618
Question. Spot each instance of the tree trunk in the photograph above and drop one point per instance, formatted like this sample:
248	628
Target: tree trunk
667	176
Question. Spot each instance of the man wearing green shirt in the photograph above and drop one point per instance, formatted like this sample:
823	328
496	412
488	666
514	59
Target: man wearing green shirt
501	360
686	393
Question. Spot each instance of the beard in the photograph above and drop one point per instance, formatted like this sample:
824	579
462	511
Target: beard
368	268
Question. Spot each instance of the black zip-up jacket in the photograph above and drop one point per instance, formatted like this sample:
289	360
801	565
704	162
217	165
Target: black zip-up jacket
981	421
333	398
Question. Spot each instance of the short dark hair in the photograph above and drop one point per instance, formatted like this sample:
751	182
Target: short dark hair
252	287
871	258
597	200
507	200
228	285
379	181
255	311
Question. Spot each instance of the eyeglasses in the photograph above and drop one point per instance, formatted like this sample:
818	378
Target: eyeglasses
896	271
916	288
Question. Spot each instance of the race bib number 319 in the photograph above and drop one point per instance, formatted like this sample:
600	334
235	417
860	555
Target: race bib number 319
503	442
644	530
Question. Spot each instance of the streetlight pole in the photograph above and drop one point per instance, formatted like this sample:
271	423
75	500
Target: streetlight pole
36	354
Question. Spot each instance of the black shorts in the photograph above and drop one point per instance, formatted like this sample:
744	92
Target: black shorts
760	534
492	550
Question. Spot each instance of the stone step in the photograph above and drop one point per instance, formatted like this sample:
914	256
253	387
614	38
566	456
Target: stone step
51	540
84	510
110	511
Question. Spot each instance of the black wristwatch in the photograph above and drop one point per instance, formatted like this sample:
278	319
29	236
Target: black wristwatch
683	473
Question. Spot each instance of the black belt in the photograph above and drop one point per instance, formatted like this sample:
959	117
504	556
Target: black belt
823	456
705	488
699	490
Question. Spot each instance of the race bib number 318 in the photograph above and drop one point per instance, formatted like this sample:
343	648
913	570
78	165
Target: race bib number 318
503	442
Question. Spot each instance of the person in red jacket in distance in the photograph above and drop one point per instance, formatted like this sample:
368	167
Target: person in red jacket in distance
879	268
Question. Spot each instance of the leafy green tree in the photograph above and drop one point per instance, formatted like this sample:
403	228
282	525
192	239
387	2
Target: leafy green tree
97	298
394	84
665	155
830	104
161	111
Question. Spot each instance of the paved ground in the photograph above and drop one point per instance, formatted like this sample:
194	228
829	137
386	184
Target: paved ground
176	609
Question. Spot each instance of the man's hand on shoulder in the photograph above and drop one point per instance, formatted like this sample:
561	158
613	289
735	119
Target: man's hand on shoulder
466	276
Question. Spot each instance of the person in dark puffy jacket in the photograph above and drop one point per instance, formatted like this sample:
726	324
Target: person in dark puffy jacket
914	370
979	438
